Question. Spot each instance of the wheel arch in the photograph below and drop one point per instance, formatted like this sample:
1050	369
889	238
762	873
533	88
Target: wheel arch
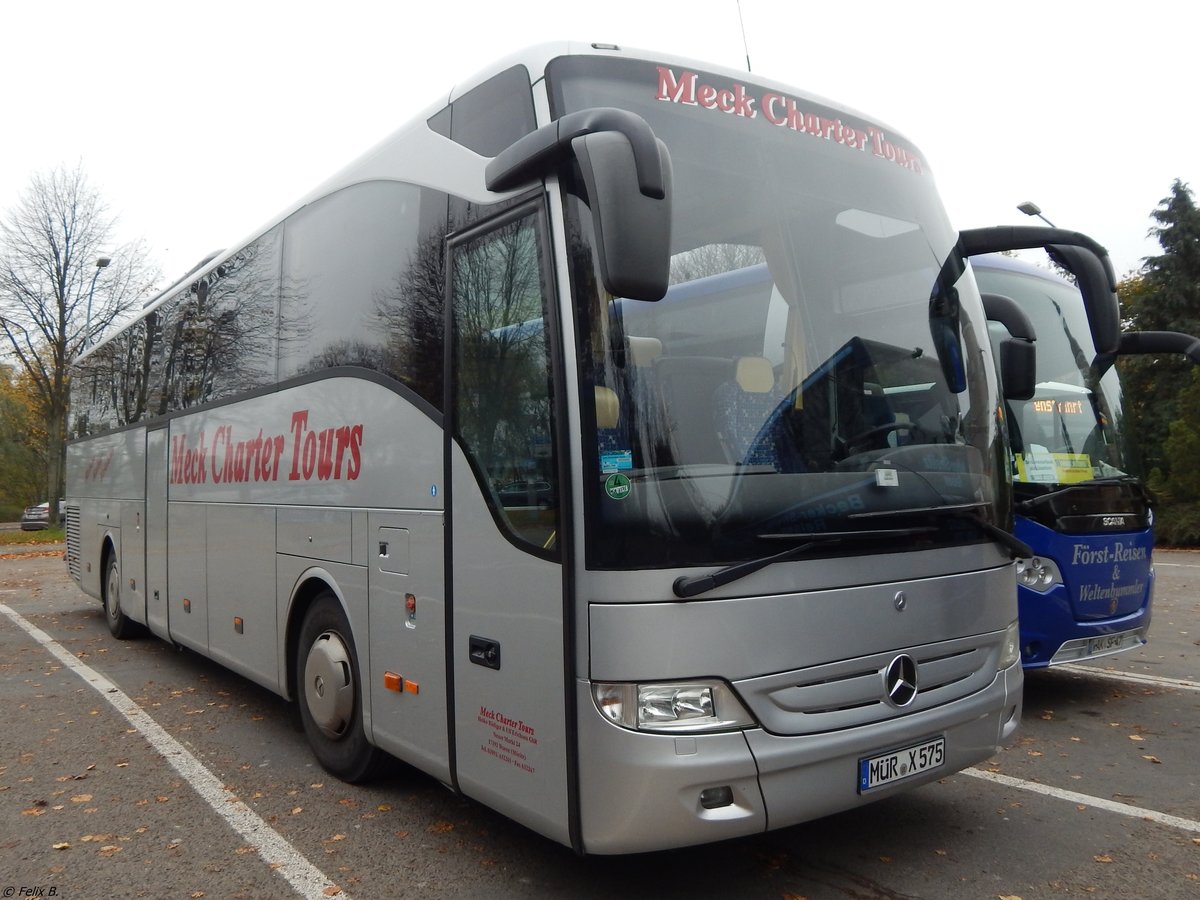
108	550
310	585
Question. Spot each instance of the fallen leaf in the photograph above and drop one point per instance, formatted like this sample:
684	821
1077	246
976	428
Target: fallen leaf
1103	858
332	891
1136	737
61	846
1153	759
81	798
441	827
296	810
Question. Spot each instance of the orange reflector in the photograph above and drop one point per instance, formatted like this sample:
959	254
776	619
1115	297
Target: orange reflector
237	624
392	681
187	605
412	687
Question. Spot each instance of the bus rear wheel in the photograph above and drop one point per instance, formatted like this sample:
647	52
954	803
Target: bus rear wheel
329	691
121	626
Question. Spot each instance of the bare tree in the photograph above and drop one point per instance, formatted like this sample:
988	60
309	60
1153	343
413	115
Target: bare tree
55	299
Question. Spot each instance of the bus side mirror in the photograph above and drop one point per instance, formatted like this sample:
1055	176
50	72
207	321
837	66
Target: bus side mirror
1018	354
1099	292
633	231
627	174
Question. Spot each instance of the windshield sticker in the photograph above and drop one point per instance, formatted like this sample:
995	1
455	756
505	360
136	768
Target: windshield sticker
785	112
887	478
616	460
617	486
1040	465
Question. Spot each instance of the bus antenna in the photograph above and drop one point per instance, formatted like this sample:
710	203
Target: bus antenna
745	46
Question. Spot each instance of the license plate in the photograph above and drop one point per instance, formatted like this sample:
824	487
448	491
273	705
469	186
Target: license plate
888	768
1110	642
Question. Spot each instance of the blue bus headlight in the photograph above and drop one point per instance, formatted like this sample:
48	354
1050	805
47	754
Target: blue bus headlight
687	706
1038	574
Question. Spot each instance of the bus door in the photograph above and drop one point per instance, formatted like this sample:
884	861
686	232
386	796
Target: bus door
156	531
506	577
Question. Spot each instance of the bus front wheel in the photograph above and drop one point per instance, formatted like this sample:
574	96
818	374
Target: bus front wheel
329	690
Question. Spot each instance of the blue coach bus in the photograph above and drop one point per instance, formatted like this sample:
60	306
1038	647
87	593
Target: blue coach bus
1079	503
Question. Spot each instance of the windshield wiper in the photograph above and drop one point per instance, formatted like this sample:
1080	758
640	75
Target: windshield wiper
966	511
690	585
1034	502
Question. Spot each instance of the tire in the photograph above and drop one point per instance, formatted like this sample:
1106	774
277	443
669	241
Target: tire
121	626
330	693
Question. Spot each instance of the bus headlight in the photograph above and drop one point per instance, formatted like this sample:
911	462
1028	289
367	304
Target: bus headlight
1010	647
1038	574
688	706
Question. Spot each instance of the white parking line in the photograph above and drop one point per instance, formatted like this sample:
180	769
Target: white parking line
1124	809
308	881
1133	677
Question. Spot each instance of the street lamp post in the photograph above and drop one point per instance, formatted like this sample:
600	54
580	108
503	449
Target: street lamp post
1032	209
101	263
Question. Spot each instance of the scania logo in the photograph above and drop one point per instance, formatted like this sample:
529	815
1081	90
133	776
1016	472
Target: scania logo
900	681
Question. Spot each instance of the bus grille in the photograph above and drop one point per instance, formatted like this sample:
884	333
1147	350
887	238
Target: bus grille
851	693
73	543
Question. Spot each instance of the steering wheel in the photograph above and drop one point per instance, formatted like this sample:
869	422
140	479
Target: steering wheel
852	443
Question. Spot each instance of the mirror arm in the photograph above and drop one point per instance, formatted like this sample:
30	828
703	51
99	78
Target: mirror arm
1136	343
536	153
976	241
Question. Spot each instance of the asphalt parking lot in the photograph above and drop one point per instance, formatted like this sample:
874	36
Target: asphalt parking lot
132	769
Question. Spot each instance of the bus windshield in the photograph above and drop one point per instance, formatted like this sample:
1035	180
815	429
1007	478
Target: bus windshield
819	368
1068	432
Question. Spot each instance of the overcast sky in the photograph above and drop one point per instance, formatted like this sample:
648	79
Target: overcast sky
199	122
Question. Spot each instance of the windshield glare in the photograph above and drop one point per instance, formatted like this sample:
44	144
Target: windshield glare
820	362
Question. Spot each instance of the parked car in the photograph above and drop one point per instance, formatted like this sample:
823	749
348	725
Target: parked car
527	493
35	518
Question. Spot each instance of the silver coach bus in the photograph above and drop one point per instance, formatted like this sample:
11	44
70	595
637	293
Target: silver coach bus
618	443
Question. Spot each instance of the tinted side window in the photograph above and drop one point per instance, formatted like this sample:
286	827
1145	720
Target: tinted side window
491	116
364	285
218	336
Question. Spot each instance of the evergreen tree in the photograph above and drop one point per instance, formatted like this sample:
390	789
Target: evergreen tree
1165	296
